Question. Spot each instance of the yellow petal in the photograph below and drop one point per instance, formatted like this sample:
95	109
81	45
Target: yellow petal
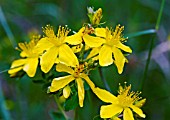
80	91
127	114
14	70
101	32
23	54
93	41
140	103
119	59
77	48
60	82
91	84
93	52
31	66
108	111
138	111
67	56
123	47
43	44
57	60
105	56
48	59
105	95
76	38
64	68
66	91
18	63
115	118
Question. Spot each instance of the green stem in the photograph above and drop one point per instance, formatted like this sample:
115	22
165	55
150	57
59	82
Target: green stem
103	79
60	107
151	45
82	53
7	28
160	15
89	97
76	114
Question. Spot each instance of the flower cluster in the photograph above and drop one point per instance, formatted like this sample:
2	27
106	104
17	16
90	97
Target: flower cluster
92	46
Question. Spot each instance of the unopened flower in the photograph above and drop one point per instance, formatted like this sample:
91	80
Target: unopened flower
124	103
94	16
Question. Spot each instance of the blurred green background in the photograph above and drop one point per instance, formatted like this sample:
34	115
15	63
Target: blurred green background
19	19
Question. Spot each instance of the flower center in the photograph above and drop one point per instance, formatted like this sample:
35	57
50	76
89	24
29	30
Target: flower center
127	98
28	48
79	69
114	37
61	35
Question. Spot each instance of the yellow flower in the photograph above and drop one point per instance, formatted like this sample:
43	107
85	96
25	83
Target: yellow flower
112	45
83	36
55	48
29	62
125	102
77	74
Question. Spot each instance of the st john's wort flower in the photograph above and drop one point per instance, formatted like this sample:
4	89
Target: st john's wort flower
55	48
124	103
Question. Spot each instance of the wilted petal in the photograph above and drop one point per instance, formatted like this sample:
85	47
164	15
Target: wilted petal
108	111
138	111
60	82
123	47
119	59
93	41
105	56
67	56
127	114
105	96
64	68
101	32
31	66
80	91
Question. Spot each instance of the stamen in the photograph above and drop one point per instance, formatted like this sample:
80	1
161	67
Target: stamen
49	31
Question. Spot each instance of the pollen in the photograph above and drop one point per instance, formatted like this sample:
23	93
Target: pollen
117	34
127	98
49	31
28	48
63	32
79	69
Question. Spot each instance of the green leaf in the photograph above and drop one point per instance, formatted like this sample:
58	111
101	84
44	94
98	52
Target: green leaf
38	81
57	116
97	117
131	35
72	102
86	86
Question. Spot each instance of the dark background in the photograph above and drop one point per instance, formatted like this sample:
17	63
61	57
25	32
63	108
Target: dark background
19	19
